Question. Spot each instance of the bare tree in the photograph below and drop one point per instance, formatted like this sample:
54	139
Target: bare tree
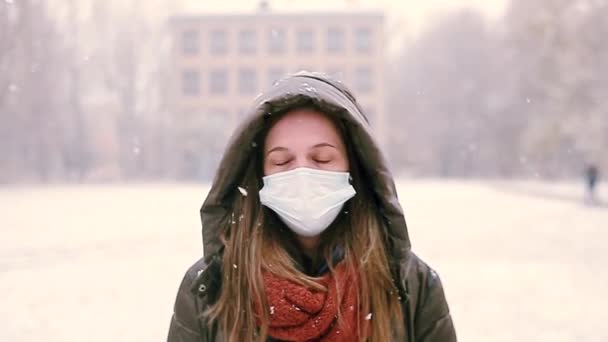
444	96
8	45
558	46
527	97
30	110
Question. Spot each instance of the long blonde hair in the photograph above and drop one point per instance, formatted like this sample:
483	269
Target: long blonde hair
254	241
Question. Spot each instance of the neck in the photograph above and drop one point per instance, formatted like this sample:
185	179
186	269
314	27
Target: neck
310	245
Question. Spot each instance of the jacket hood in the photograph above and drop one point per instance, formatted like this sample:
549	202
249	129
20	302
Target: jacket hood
324	92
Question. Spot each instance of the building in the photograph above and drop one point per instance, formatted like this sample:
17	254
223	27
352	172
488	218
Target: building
221	62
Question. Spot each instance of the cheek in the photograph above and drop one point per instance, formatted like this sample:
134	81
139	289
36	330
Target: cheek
270	168
343	161
343	164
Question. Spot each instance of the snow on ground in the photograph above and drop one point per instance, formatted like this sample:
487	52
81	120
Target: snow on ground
520	261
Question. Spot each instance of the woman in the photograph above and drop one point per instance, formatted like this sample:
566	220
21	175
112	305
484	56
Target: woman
304	238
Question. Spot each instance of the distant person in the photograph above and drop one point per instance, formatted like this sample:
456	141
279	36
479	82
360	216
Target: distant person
304	237
591	179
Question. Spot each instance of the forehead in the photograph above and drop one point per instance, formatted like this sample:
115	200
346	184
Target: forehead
302	126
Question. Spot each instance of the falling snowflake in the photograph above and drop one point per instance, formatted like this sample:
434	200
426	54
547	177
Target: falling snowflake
243	191
368	317
308	88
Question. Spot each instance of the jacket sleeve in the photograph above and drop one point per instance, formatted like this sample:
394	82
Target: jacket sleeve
184	323
433	322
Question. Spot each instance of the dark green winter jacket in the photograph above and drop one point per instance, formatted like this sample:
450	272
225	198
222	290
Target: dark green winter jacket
425	310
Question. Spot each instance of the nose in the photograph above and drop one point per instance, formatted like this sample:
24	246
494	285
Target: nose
304	162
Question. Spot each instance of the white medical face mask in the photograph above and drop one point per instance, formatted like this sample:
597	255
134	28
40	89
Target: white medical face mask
307	200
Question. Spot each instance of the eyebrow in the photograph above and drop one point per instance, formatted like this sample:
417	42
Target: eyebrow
324	145
276	149
280	148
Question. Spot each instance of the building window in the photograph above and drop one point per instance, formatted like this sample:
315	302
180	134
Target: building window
218	81
335	40
305	41
247	81
191	82
275	74
218	42
277	41
364	79
247	42
363	40
190	42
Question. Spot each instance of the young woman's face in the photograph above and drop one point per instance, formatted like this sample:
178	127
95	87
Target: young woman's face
304	138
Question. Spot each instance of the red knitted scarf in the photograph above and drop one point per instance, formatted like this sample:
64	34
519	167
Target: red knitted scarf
301	314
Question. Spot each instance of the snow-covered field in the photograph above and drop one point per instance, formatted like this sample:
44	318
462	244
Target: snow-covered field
520	261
